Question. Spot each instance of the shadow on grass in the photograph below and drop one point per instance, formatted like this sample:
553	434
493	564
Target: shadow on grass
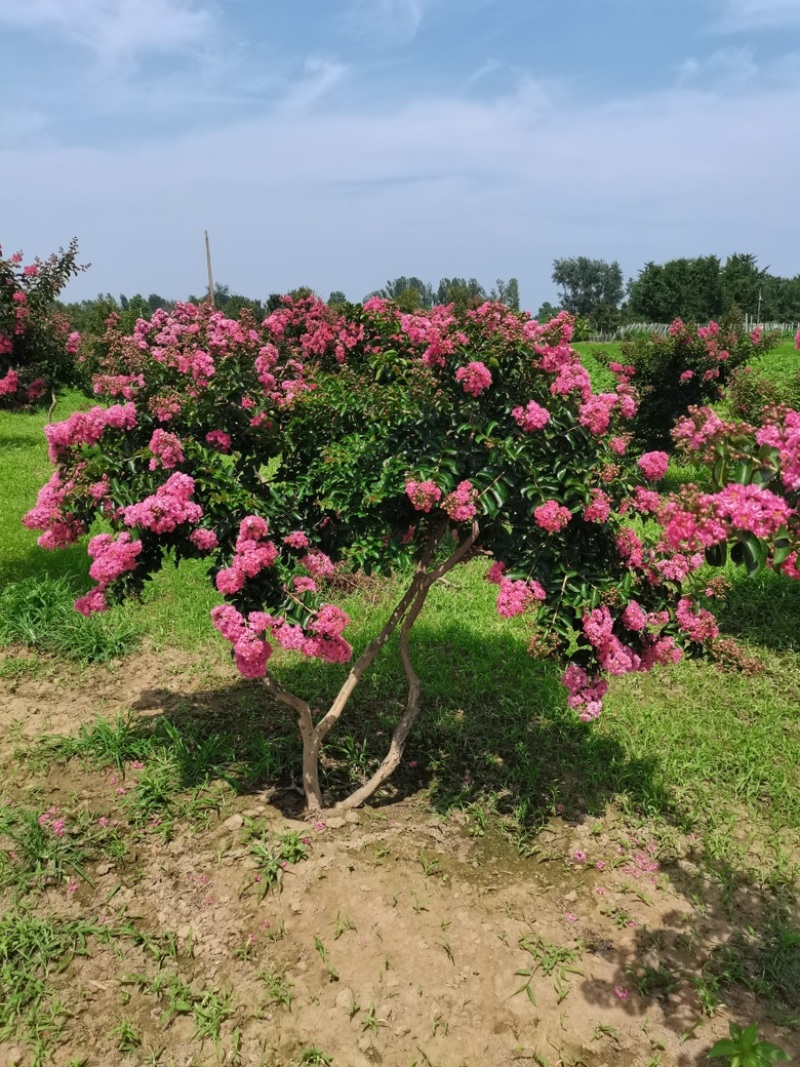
764	610
493	727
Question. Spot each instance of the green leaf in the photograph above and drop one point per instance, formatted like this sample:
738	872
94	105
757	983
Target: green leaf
717	554
752	552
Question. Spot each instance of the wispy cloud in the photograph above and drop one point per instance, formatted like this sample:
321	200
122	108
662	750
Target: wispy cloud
390	22
115	30
759	14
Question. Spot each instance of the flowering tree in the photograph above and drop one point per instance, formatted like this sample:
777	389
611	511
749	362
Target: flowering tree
37	348
756	478
370	438
685	368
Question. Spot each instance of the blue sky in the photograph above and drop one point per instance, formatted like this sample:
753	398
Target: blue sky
339	144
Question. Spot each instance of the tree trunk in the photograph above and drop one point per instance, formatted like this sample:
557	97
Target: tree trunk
407	611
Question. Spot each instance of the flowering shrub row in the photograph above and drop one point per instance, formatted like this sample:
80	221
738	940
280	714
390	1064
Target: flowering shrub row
361	437
37	347
687	367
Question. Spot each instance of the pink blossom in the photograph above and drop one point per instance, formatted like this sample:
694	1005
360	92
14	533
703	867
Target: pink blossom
516	597
318	565
219	439
653	465
93	601
579	856
112	557
297	539
169	507
475	378
166	448
598	509
552	516
532	417
204	539
621	993
302	584
495	572
460	504
423	495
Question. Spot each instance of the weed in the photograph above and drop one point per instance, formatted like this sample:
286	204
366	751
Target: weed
314	1057
743	1049
341	926
128	1037
209	1011
278	986
333	974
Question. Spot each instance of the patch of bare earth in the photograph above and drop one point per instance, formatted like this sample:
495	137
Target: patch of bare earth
399	940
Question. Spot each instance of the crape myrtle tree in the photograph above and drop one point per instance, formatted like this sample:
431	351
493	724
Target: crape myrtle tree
37	345
368	437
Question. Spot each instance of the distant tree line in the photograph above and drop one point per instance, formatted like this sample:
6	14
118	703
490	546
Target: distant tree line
699	290
594	290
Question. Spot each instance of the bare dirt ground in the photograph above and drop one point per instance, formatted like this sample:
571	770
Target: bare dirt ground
401	938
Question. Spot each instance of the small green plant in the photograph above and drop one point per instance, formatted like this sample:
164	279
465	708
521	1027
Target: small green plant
341	926
278	987
319	945
210	1010
128	1037
314	1057
743	1049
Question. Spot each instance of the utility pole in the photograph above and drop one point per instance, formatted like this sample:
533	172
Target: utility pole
208	264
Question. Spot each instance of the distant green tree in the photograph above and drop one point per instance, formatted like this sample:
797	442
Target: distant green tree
464	293
585	283
688	289
337	297
408	293
507	293
743	283
155	301
547	311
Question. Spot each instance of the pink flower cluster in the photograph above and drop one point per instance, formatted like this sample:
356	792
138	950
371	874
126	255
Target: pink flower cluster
252	651
297	539
167	450
700	626
532	417
169	507
253	553
60	527
204	539
87	427
318	565
514	598
112	556
552	516
9	384
475	378
219	439
460	504
599	508
595	412
585	692
423	495
653	465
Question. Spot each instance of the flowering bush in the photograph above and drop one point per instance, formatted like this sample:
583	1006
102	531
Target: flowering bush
756	477
37	347
686	368
350	437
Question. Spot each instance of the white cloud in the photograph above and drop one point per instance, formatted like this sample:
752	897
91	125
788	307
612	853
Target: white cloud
343	200
760	14
116	30
390	22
